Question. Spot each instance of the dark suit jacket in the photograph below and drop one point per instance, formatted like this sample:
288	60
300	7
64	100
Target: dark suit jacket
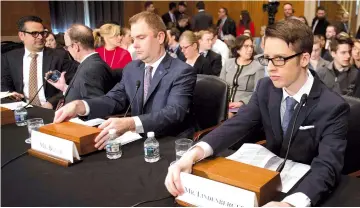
180	54
357	87
93	78
215	62
202	66
229	27
322	147
320	27
201	21
166	18
166	109
53	59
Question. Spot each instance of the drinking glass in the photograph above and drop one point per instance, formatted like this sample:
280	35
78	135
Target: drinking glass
33	124
181	147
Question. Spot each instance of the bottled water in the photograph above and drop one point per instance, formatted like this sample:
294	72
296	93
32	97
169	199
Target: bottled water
113	147
151	148
20	114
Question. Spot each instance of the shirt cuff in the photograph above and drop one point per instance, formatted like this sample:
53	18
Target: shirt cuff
87	108
138	125
208	151
298	200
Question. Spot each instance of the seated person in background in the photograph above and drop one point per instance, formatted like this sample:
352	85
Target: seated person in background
22	70
315	60
190	47
242	72
355	54
288	45
183	23
165	93
205	38
126	43
50	41
174	48
220	47
339	75
93	77
109	36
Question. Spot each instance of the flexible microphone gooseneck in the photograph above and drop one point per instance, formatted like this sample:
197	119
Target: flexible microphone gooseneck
137	89
35	94
302	103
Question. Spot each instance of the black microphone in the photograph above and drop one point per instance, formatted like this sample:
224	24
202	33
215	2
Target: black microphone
137	89
302	103
35	94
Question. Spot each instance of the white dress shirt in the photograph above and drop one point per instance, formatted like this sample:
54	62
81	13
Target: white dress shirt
222	49
138	124
26	74
297	199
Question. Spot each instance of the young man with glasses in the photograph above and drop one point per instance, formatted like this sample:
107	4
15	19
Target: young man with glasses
288	45
23	70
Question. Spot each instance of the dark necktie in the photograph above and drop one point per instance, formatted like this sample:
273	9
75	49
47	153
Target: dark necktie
33	83
289	111
147	80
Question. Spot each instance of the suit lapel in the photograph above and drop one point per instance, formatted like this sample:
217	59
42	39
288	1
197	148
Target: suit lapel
140	73
161	71
47	58
19	66
274	111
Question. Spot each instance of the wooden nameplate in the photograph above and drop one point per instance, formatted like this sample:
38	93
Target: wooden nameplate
264	183
83	136
7	116
53	159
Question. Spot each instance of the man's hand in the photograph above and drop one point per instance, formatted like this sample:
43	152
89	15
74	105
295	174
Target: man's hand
235	104
60	84
69	111
47	105
277	204
121	125
16	96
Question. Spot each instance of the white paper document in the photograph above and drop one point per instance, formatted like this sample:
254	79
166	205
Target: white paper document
257	155
5	94
203	192
128	137
14	105
92	122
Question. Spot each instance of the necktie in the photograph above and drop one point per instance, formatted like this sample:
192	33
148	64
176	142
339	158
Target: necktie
33	85
202	54
290	104
220	29
147	80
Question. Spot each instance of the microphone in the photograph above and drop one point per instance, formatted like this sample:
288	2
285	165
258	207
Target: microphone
137	89
302	103
35	95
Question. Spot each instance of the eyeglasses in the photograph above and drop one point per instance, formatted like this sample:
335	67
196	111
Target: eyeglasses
185	47
35	34
66	47
277	61
248	46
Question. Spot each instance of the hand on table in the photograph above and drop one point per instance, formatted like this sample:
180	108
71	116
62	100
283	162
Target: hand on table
277	204
69	111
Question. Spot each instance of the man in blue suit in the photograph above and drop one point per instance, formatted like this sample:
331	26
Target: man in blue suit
164	96
319	131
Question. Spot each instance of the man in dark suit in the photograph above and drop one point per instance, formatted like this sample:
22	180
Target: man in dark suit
205	45
170	15
174	49
164	96
320	143
320	23
343	24
23	70
225	25
182	6
202	20
93	77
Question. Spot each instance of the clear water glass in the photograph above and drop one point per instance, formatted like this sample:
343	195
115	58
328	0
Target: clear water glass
33	124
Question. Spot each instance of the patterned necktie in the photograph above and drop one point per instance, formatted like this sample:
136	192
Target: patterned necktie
147	80
290	104
33	84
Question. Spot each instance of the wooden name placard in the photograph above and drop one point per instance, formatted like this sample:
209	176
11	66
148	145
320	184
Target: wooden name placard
264	183
7	116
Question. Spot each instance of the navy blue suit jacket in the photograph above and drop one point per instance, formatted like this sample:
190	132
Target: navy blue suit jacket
166	109
321	147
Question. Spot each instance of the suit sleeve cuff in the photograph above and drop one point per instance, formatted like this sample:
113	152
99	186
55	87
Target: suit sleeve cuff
138	125
298	200
208	151
87	108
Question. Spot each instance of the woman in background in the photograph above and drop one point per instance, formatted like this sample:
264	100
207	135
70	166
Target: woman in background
50	41
108	37
241	73
127	43
190	47
245	24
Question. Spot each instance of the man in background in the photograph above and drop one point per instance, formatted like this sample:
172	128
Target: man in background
149	6
170	15
225	25
202	20
320	23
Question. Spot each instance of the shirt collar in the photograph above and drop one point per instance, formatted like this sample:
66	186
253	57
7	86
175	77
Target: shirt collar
201	10
27	53
305	89
87	56
204	53
156	63
224	19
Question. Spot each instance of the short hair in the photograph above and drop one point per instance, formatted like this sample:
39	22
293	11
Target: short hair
172	5
333	26
50	33
213	30
147	4
201	33
81	34
239	43
317	40
341	38
153	20
183	16
21	22
288	3
175	32
182	3
225	9
320	8
200	5
293	32
191	37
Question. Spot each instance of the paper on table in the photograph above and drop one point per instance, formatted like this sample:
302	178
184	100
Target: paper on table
14	105
4	94
92	122
128	137
257	155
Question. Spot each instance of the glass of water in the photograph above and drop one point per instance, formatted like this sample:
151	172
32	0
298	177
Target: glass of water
33	124
182	146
